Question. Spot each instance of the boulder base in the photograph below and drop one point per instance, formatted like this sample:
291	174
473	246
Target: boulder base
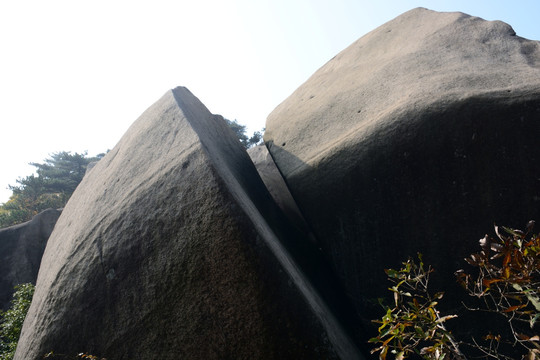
21	249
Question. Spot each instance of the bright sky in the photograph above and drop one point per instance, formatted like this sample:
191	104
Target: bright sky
75	74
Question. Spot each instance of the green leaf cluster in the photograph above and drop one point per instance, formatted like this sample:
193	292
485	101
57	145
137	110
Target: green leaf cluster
11	321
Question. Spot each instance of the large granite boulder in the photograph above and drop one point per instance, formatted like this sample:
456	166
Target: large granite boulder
21	249
171	248
416	138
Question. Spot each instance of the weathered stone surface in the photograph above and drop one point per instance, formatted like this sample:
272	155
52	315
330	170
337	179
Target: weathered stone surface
21	249
275	184
170	248
417	137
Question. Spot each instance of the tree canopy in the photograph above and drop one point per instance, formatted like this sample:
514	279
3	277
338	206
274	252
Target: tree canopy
50	187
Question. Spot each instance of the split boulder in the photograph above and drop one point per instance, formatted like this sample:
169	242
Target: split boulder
171	248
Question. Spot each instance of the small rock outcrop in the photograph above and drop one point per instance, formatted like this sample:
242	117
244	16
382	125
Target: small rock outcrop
276	186
416	138
171	248
21	249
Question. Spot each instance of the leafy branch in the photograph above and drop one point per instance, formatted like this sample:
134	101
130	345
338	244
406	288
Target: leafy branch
414	325
507	282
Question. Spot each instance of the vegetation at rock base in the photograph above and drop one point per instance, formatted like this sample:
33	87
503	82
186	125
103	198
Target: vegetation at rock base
245	140
52	355
51	187
11	321
506	280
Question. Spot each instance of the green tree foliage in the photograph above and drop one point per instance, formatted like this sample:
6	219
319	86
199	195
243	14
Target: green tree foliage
11	321
51	187
240	131
62	172
506	280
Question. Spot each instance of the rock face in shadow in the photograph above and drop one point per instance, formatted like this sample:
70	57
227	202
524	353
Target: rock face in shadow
171	248
21	249
275	184
416	138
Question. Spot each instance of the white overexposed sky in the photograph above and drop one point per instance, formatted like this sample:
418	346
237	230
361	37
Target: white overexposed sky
75	74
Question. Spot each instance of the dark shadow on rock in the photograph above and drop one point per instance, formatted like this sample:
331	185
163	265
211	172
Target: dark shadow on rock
304	248
291	232
435	185
276	185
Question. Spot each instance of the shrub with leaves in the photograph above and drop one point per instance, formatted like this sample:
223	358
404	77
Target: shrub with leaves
12	320
413	325
508	283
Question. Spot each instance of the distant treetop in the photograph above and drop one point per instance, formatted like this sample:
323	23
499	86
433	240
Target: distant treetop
240	131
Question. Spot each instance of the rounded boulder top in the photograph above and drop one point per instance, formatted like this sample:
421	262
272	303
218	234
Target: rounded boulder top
412	62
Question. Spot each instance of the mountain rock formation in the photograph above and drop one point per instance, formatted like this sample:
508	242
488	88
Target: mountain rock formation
416	138
171	248
21	249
